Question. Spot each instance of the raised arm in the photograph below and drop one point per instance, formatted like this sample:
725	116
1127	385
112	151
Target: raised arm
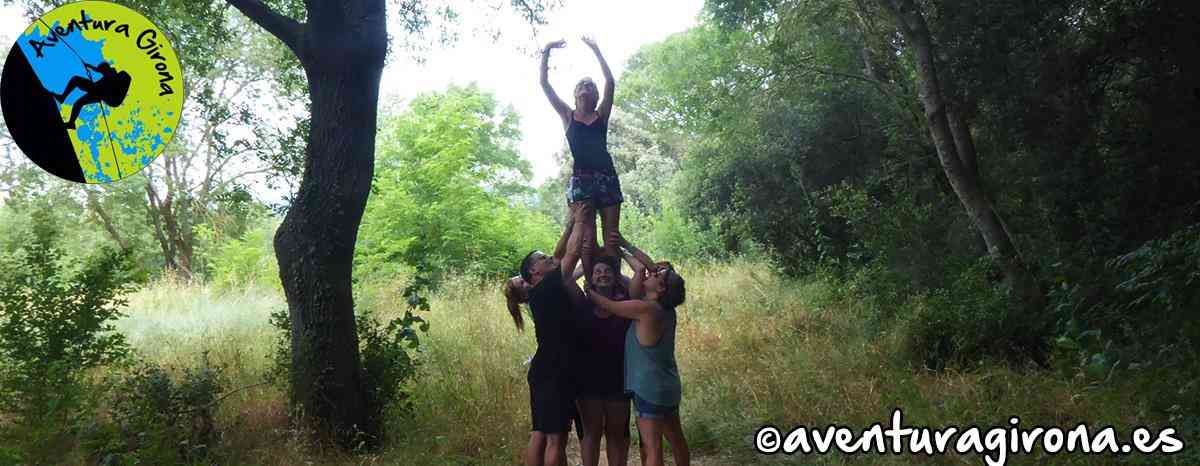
560	107
638	255
560	249
636	291
606	101
571	259
634	263
639	273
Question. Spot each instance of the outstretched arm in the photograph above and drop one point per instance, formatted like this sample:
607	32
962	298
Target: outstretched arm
560	107
633	309
606	101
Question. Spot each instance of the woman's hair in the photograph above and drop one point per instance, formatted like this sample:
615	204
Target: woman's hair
583	80
514	295
611	261
676	291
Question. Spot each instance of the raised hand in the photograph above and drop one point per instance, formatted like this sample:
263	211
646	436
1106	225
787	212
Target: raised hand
589	41
581	212
555	45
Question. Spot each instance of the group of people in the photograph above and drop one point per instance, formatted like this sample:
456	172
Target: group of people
612	341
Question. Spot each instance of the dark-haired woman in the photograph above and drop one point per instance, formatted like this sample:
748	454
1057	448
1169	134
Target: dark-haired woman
598	368
651	374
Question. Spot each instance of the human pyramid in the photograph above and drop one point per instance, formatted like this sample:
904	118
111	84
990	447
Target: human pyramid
613	341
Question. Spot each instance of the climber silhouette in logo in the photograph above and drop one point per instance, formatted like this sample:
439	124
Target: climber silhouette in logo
110	89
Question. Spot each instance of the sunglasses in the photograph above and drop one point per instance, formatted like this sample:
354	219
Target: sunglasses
662	273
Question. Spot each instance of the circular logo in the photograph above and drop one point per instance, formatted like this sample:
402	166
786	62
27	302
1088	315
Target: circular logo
92	92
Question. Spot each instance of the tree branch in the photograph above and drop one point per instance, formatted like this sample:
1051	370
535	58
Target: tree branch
105	220
285	29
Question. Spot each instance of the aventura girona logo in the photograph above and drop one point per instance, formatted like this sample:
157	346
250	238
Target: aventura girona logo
92	92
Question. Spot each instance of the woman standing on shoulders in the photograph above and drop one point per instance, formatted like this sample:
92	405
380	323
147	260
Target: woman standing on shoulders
593	176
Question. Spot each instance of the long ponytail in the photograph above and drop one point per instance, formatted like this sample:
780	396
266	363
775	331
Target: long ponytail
514	295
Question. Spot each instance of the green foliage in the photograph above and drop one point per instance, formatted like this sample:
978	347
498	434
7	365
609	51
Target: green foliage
1136	317
754	171
75	214
446	170
55	325
1139	311
967	321
157	417
248	260
387	362
671	235
385	349
803	133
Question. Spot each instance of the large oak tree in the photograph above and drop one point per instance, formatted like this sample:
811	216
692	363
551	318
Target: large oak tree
341	47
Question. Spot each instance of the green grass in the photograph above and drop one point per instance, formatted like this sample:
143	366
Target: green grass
753	349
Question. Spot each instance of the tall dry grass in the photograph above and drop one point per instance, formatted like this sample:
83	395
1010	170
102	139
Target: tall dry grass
754	348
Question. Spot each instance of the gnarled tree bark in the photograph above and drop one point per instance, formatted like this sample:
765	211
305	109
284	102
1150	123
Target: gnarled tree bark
342	49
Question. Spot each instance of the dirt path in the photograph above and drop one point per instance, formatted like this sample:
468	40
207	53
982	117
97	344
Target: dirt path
635	459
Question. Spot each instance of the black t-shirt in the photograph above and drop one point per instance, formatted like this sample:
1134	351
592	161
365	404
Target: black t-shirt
553	325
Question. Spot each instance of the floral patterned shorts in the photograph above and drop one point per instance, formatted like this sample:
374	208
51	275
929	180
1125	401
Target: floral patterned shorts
601	189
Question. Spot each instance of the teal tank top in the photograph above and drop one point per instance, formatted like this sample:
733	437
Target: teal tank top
650	371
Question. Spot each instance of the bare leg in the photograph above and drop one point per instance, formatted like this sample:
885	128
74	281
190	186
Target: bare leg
651	431
610	222
78	107
556	449
533	452
592	412
679	446
616	431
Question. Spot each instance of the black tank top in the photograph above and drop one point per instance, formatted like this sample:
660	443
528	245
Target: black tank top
589	145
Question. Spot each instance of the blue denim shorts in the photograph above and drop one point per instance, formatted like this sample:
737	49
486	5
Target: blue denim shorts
597	188
648	410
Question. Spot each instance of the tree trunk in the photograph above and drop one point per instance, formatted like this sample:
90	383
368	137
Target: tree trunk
956	152
175	233
152	210
106	220
342	50
176	246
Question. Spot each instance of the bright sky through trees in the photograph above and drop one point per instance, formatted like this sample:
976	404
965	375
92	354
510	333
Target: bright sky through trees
508	67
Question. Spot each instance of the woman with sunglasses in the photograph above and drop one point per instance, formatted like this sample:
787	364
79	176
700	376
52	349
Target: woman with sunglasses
651	374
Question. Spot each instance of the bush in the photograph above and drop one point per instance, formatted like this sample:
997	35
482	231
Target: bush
670	235
157	418
249	260
383	348
968	321
54	326
1137	315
